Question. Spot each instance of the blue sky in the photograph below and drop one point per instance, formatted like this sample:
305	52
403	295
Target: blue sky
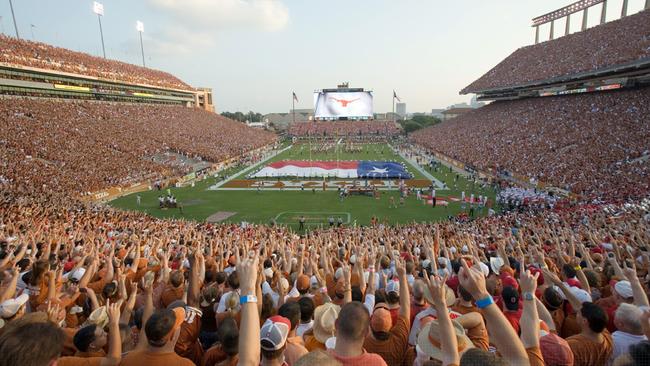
254	53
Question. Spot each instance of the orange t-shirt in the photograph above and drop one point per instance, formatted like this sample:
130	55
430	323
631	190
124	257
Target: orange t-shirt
141	358
464	309
535	357
394	348
171	294
570	326
365	359
213	356
188	344
587	352
479	337
311	343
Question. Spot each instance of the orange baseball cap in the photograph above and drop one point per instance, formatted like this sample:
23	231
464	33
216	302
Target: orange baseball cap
303	283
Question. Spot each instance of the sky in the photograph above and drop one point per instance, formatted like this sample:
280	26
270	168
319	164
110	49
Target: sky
255	53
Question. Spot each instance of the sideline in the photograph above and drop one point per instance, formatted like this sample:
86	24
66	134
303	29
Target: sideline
440	185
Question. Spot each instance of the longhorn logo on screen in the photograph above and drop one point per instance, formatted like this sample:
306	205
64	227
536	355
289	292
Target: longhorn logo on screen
344	103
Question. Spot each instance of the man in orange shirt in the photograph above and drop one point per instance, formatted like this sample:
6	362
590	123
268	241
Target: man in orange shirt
174	290
388	339
351	331
162	330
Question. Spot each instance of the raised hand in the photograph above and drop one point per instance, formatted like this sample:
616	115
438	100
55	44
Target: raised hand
528	282
437	288
400	267
113	311
550	276
247	271
473	280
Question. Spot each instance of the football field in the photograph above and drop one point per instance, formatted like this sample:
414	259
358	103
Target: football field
224	201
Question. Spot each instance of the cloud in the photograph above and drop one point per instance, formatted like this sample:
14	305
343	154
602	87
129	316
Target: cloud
212	15
178	40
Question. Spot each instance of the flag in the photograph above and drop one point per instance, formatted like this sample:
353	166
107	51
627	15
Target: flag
295	97
396	97
341	169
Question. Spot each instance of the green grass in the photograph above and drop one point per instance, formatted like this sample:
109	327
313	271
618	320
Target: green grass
251	206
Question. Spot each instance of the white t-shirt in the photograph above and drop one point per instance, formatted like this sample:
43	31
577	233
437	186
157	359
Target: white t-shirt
221	308
622	342
303	327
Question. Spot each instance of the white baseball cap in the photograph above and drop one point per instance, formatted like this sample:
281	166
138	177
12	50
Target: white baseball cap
9	308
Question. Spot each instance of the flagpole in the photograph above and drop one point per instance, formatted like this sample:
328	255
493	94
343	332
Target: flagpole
293	106
393	106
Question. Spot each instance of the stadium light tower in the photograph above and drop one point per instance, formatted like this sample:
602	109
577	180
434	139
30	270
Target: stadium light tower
98	8
140	27
11	5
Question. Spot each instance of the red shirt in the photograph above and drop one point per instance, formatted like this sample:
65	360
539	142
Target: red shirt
513	317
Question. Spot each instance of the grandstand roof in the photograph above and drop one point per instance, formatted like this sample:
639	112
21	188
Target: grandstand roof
606	47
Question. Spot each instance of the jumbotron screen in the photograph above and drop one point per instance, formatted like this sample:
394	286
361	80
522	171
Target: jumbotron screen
342	104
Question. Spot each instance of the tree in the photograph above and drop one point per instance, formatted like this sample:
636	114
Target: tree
418	122
243	117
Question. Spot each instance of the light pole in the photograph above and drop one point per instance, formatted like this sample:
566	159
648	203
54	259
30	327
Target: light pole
31	28
11	5
98	9
140	27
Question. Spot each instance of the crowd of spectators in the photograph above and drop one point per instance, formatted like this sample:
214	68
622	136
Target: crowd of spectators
22	52
344	129
618	42
596	145
94	286
72	147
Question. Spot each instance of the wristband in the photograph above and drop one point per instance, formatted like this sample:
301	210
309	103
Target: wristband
485	302
577	268
245	299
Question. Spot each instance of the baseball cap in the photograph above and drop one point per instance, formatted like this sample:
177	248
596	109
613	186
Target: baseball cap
9	308
624	289
555	350
274	332
581	294
381	320
496	263
392	286
77	274
268	272
302	283
510	298
509	281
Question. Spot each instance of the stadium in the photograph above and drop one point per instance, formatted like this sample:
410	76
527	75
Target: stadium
138	226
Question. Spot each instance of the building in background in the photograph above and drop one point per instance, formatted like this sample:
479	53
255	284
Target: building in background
437	113
400	109
455	112
280	121
203	99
